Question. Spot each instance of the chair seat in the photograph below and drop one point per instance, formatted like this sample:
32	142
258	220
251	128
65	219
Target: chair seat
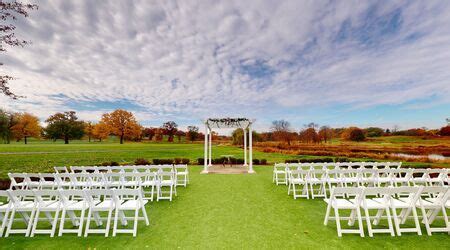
341	203
297	181
24	205
132	204
384	179
279	172
400	203
182	173
77	205
379	204
104	205
49	205
334	180
3	207
401	180
166	182
315	180
148	183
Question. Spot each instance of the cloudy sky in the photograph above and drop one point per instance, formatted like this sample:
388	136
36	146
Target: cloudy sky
335	63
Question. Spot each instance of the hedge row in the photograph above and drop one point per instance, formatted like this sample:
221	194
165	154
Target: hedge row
317	160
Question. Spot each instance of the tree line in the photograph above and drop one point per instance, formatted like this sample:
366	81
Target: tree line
67	126
281	130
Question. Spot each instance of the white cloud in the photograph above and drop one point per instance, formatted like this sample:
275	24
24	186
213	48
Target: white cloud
196	58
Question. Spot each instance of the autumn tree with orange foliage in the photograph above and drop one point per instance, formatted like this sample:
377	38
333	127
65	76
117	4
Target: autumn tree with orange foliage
100	131
122	124
27	126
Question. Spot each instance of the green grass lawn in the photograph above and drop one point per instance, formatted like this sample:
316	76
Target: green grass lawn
42	156
233	212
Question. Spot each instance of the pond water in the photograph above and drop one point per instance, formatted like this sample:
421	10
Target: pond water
430	156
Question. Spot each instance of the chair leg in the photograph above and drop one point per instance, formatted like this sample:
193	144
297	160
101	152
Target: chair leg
4	222
327	214
144	213
136	214
11	219
80	226
34	223
360	224
369	224
61	223
108	223
116	216
88	223
338	222
396	221
391	227
416	221
55	222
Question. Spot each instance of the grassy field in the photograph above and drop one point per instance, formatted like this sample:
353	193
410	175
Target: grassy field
233	212
41	156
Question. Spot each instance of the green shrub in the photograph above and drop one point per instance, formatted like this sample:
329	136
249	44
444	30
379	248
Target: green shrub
256	161
141	161
263	162
341	159
200	161
110	163
291	161
185	161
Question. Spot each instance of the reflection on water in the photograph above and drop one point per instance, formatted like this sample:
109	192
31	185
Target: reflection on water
435	157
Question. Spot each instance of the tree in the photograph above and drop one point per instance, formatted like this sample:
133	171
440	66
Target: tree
169	129
64	126
149	132
100	131
192	133
282	131
159	134
445	131
374	132
88	130
309	135
134	132
27	126
179	134
7	121
353	134
238	136
325	134
121	122
9	12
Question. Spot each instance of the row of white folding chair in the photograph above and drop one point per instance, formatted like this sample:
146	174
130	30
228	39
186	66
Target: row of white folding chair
389	200
280	175
31	203
360	177
156	182
180	170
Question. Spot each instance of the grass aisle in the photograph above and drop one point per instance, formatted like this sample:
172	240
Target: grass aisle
232	211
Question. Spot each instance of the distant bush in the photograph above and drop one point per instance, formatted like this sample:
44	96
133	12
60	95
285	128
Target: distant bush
353	134
263	162
256	161
445	131
185	161
162	161
200	161
374	132
110	163
177	161
141	161
291	161
341	159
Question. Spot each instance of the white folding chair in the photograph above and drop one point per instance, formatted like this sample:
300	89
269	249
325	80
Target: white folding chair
182	174
61	170
317	177
23	202
47	181
47	201
431	207
137	204
165	180
4	211
73	201
381	205
279	174
420	177
401	177
298	178
407	204
64	181
437	176
17	180
149	181
345	204
106	204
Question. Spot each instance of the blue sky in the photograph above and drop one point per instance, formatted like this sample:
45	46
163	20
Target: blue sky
337	63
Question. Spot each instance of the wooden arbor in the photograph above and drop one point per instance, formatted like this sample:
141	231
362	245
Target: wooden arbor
217	123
